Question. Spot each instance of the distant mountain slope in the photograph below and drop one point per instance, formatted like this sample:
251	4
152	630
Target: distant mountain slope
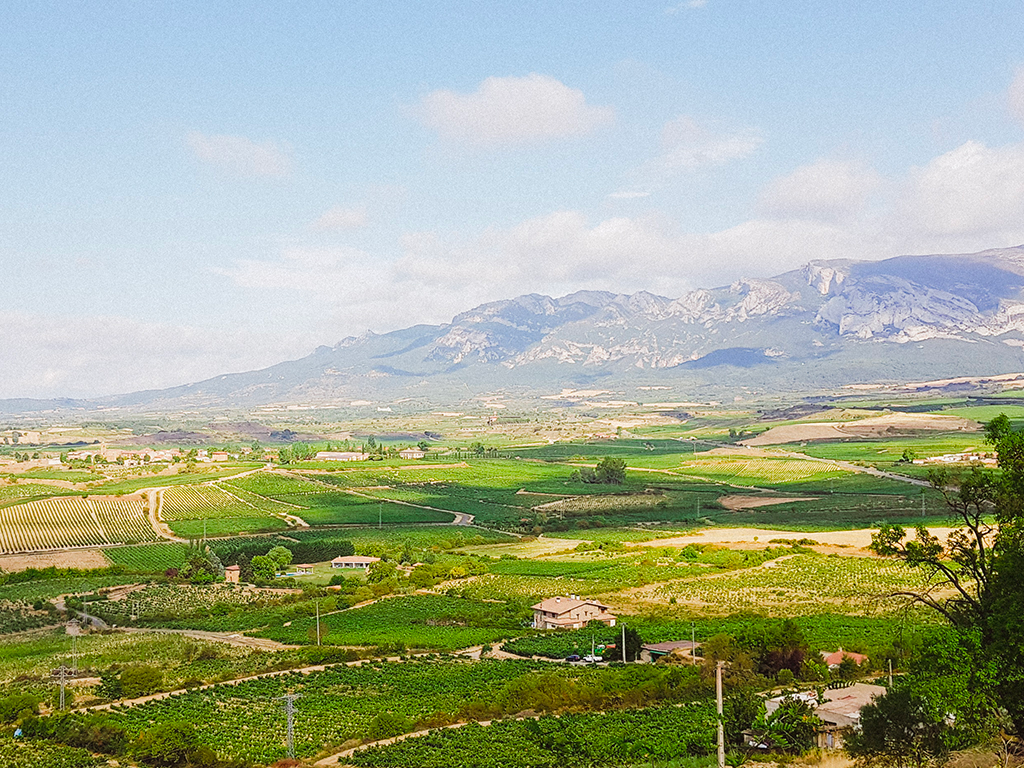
828	324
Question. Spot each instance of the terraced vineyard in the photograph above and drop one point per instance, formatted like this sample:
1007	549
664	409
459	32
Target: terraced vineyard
73	521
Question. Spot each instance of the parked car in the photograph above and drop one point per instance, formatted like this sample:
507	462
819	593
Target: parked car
592	659
573	657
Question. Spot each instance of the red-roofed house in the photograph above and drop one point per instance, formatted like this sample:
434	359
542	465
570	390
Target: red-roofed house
570	613
833	660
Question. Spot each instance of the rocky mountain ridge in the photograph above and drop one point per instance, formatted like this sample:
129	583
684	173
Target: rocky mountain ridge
826	325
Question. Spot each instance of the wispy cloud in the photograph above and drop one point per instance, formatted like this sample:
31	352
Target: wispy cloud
241	155
827	190
628	195
1015	96
512	110
340	217
687	6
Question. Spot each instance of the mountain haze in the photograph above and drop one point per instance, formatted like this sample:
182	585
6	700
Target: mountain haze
828	324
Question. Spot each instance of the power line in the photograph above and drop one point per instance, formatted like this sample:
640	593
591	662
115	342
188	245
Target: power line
289	708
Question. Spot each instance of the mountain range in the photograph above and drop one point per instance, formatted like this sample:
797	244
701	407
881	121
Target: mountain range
818	328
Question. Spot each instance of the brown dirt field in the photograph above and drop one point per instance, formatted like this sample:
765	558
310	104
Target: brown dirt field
72	558
841	542
888	425
740	501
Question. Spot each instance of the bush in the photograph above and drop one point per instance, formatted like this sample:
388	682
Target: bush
141	681
169	744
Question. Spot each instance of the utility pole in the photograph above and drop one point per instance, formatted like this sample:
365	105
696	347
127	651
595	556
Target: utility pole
693	643
721	720
318	622
289	708
623	643
74	655
63	678
890	674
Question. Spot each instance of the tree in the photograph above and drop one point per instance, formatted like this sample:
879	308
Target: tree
611	471
898	730
381	571
141	681
282	556
477	449
977	576
792	728
264	568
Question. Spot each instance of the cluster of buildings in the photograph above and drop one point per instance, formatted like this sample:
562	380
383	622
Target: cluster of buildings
967	457
405	453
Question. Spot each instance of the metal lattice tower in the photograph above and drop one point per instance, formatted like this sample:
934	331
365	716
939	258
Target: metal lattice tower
289	708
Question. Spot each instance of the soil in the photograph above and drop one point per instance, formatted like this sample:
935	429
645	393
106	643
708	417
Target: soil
72	558
889	425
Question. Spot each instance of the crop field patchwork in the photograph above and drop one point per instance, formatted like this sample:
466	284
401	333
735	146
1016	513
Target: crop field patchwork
73	521
149	557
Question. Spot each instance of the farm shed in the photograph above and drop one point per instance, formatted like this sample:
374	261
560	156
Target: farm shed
354	561
233	574
412	453
570	613
654	651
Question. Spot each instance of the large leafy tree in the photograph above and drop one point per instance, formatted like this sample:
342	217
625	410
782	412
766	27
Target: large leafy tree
976	577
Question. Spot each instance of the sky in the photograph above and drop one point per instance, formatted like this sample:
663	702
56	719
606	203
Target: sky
194	188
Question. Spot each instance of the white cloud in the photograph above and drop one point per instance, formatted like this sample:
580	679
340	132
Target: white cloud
827	190
48	356
689	5
687	145
973	190
628	195
1015	96
240	155
340	217
512	110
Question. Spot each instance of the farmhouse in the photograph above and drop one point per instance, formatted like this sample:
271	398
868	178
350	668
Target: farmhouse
341	456
354	561
219	456
412	453
570	612
833	660
839	710
233	574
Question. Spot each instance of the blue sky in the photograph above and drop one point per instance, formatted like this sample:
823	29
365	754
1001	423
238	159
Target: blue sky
195	188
